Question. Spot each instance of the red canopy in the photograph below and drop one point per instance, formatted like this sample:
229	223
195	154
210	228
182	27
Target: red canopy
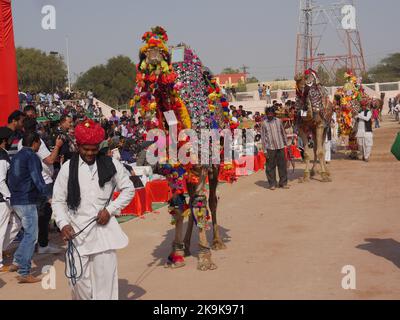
8	64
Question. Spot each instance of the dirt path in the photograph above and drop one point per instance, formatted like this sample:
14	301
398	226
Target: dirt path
283	244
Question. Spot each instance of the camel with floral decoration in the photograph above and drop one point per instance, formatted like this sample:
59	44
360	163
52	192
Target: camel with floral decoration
314	117
349	99
158	90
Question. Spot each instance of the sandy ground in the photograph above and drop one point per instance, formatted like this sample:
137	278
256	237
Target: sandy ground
283	244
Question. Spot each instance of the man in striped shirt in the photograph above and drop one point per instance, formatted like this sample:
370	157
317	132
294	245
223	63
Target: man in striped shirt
274	141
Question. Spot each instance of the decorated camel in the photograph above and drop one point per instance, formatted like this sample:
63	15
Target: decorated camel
349	99
158	91
315	114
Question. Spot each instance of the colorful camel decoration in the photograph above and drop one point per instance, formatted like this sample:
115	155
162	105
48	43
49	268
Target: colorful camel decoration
159	90
315	114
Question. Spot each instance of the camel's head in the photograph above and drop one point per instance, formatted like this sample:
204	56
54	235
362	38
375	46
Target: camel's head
154	56
311	77
155	49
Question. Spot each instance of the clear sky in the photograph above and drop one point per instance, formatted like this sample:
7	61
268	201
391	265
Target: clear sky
258	33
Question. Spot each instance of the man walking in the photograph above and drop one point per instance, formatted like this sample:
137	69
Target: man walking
364	132
9	223
268	95
274	141
26	186
82	194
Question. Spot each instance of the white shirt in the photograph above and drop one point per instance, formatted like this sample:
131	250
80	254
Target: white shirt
43	153
96	238
4	166
124	131
361	124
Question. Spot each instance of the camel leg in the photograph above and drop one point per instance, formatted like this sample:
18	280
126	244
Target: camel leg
176	259
312	172
213	203
304	137
188	236
320	135
198	204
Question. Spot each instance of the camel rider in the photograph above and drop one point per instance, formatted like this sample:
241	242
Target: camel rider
364	131
82	194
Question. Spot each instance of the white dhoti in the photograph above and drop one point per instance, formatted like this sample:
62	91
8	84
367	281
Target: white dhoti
365	145
9	228
99	279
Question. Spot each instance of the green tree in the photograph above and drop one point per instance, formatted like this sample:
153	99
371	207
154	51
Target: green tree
230	70
38	70
339	77
388	70
281	79
112	83
252	80
324	77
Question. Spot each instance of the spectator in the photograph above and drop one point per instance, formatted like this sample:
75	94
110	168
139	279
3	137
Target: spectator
43	206
223	91
114	118
260	91
9	223
29	97
124	116
268	95
68	147
364	131
274	141
90	97
396	110
264	91
124	129
375	116
15	124
390	106
21	98
30	111
26	186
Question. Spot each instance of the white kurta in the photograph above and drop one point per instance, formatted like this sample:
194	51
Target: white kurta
9	222
96	240
364	139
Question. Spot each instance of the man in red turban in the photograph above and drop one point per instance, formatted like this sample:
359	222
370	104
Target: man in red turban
82	196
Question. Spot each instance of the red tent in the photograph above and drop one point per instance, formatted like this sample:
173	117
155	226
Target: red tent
8	64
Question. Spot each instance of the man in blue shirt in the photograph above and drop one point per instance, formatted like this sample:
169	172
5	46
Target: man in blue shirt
26	186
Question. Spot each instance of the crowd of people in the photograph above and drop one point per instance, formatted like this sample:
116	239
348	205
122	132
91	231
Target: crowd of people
54	105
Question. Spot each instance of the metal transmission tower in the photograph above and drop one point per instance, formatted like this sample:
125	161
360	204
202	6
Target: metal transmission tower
314	23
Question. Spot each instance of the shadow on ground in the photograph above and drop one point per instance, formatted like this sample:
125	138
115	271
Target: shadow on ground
129	291
385	248
293	175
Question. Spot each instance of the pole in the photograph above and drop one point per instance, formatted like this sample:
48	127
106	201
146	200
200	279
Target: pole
68	70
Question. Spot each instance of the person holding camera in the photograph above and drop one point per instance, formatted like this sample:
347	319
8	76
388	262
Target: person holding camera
68	147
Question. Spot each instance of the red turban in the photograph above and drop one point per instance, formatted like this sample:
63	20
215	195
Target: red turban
89	132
